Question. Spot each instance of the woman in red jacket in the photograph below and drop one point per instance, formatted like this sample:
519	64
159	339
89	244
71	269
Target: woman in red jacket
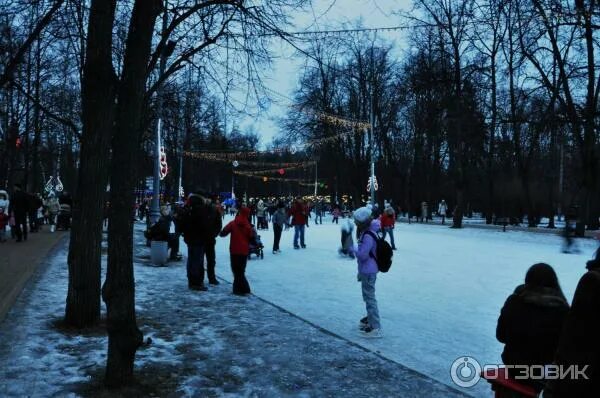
241	233
388	221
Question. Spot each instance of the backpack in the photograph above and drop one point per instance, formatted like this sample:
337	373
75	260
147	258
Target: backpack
384	253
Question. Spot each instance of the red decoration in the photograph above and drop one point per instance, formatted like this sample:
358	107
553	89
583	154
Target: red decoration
18	143
281	171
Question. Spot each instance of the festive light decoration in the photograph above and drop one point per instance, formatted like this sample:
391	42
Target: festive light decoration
376	185
326	140
265	179
334	119
298	180
213	158
164	168
54	185
280	171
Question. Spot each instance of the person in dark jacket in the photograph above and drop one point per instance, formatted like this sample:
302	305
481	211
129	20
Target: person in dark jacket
195	235
214	224
239	247
19	206
580	340
531	320
279	220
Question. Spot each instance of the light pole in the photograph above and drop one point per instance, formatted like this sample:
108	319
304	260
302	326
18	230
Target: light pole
155	204
372	122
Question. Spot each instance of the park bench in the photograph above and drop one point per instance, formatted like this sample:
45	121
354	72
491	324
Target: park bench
506	387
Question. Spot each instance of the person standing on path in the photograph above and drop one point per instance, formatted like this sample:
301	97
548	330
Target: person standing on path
19	205
299	217
279	220
239	247
367	228
195	234
214	224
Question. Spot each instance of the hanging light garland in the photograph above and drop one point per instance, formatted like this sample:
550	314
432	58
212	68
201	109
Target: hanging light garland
215	158
267	178
279	170
333	119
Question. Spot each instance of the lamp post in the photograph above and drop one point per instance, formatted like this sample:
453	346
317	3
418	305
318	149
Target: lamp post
155	204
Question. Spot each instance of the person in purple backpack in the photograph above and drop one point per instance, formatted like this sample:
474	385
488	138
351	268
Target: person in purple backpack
367	229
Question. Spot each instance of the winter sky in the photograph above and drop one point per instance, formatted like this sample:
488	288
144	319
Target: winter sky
323	15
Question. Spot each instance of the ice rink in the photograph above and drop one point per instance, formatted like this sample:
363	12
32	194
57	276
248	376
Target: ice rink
440	300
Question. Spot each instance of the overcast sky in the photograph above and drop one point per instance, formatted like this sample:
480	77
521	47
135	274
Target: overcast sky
287	68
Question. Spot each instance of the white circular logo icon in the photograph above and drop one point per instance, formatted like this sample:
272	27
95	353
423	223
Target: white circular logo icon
465	372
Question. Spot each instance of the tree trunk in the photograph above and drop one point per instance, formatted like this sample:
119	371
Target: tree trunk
98	93
118	291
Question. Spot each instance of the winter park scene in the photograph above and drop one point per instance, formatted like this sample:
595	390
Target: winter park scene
300	198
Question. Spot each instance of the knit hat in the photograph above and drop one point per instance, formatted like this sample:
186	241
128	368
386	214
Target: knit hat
362	215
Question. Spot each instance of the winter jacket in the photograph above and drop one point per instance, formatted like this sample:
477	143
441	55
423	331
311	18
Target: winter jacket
241	233
279	217
579	342
19	203
261	209
201	223
530	325
347	225
299	214
3	221
365	251
442	209
388	220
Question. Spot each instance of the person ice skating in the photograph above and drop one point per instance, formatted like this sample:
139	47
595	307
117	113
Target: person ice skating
279	220
579	343
531	321
299	216
388	223
347	228
569	231
424	212
195	234
442	210
336	215
367	269
239	247
261	214
319	212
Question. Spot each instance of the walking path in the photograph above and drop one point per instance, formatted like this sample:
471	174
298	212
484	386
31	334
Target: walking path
204	344
18	261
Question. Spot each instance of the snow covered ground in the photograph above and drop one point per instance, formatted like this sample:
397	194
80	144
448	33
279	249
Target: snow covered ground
440	300
209	344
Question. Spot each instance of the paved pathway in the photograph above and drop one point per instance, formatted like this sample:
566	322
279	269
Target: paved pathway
18	261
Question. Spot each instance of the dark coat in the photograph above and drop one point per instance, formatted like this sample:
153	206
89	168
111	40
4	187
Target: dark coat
530	325
200	223
19	203
580	340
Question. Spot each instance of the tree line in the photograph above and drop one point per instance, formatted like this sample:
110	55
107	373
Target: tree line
490	104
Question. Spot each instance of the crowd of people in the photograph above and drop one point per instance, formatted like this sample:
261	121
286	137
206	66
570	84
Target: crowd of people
536	324
22	213
538	328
